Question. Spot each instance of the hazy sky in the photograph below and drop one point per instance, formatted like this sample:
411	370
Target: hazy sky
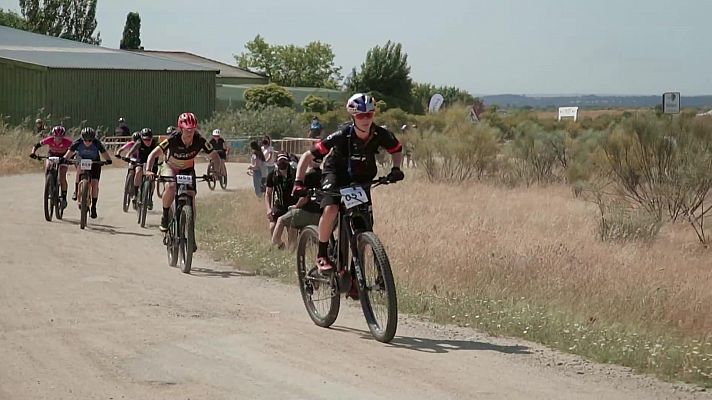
486	47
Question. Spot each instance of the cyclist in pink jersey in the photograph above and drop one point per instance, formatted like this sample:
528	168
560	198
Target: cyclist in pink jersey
58	144
135	138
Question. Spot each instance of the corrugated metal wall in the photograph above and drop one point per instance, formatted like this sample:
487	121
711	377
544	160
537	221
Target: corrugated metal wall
144	98
21	90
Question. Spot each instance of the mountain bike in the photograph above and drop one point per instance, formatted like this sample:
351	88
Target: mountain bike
52	199
368	263
129	195
84	195
179	239
144	200
212	171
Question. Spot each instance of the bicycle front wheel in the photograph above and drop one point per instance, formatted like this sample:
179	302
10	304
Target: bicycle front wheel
378	296
57	199
84	202
48	197
146	194
211	174
128	188
186	239
321	296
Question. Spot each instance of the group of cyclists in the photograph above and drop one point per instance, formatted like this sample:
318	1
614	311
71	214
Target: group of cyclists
351	159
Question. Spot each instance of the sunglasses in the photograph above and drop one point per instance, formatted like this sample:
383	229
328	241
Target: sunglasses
365	115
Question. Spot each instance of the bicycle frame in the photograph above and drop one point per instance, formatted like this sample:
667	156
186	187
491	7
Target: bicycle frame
349	224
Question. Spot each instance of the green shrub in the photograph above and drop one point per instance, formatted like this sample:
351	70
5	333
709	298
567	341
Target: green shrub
274	121
262	96
316	104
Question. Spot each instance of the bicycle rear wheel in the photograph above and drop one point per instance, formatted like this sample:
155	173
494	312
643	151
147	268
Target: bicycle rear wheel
223	178
378	297
48	197
321	297
160	188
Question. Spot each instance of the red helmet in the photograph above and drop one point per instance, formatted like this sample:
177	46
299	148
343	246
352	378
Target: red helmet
187	121
59	131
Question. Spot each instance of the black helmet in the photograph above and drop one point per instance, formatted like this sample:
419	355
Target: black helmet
136	136
146	133
121	120
88	133
170	129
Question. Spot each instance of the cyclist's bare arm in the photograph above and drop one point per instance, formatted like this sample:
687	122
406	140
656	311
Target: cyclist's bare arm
107	156
268	199
155	153
131	149
69	154
397	159
304	162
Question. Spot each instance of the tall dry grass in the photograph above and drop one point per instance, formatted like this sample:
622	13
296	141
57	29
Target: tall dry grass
521	262
15	146
538	243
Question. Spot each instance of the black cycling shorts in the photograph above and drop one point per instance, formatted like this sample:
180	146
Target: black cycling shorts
94	173
333	182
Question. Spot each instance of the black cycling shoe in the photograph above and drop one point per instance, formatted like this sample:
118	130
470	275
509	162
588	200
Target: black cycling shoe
150	206
164	224
74	196
93	213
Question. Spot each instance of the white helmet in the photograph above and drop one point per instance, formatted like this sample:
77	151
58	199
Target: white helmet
216	132
360	103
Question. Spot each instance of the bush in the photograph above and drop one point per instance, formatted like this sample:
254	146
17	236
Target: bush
464	151
537	152
315	104
272	94
274	121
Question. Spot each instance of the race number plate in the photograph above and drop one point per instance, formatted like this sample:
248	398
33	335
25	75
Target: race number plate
353	196
53	159
85	164
184	179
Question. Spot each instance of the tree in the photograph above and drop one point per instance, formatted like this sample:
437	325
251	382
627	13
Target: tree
268	95
290	65
11	19
132	32
422	92
67	19
315	104
386	75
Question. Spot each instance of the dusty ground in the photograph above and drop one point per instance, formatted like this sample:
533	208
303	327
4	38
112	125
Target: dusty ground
98	314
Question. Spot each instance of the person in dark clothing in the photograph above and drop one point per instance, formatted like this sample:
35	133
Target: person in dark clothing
278	195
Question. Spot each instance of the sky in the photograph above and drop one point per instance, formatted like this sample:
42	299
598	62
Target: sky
541	47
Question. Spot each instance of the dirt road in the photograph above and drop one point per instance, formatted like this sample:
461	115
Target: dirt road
98	314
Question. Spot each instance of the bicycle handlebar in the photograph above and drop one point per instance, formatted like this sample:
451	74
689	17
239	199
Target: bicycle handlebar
383	180
164	178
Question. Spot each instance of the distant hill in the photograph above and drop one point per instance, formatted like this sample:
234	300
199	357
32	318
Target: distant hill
590	101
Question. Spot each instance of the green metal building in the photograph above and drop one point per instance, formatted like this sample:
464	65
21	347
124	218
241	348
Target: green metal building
98	85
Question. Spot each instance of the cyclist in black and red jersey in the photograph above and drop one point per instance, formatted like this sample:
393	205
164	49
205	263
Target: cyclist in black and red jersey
182	148
352	160
142	148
